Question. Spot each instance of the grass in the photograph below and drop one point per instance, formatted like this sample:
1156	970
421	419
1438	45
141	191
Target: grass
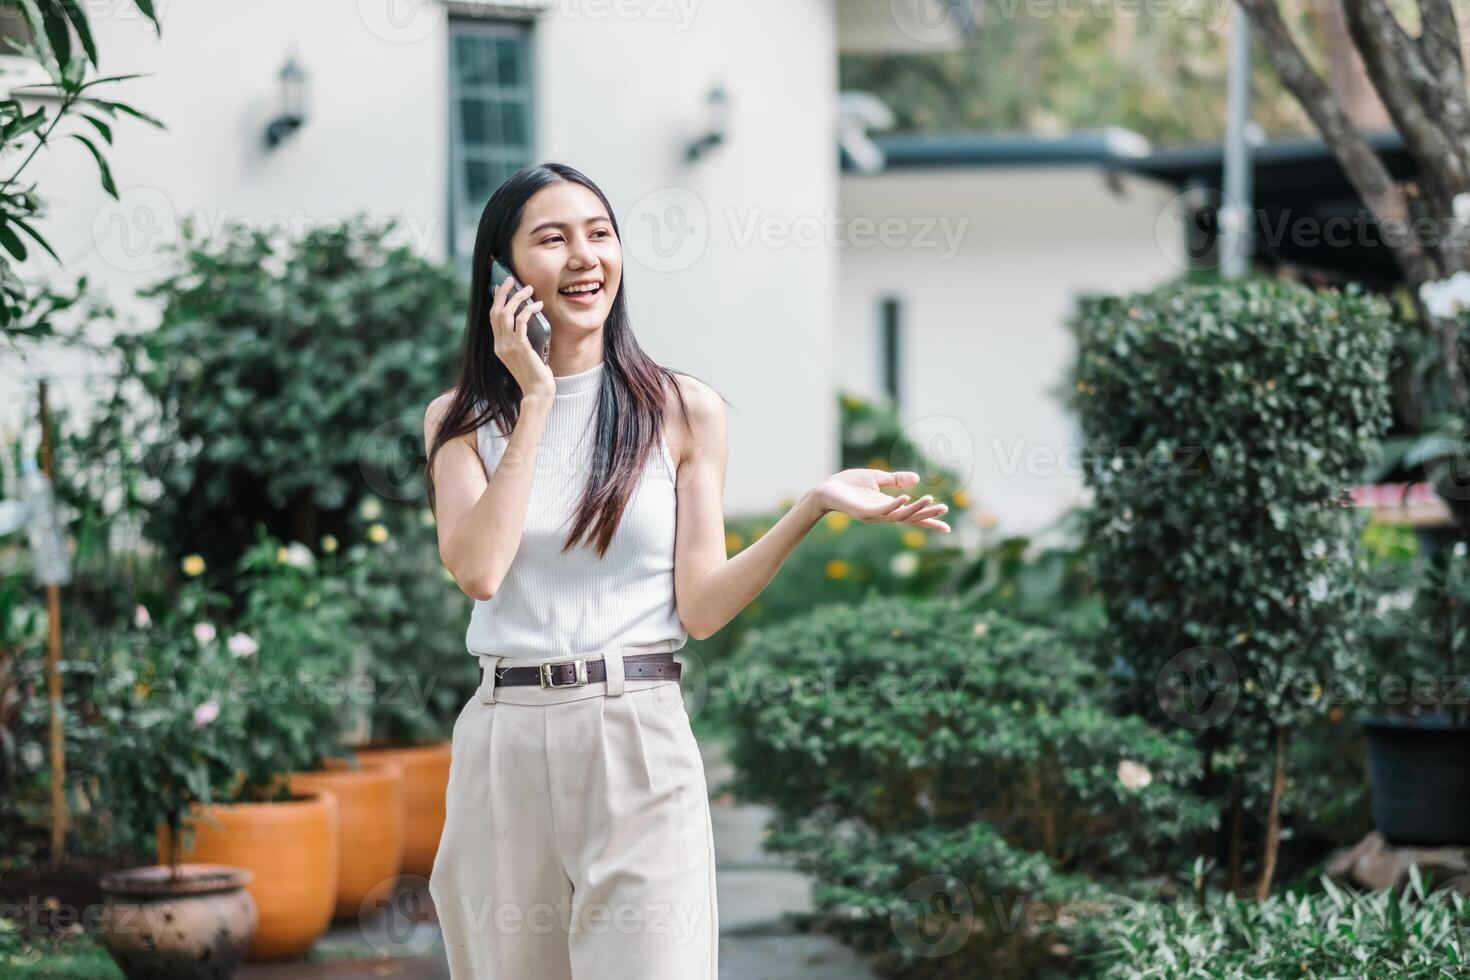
85	962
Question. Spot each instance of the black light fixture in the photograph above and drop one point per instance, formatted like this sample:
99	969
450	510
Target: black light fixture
293	103
717	108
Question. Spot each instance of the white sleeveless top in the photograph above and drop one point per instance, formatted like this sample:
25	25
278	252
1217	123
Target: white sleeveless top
553	604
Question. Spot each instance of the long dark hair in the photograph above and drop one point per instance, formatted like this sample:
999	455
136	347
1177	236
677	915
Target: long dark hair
630	411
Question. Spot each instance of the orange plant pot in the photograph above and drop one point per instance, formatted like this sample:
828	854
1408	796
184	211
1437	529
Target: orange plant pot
291	848
371	816
425	782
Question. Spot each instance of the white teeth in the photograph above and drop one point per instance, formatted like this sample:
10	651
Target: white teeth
581	289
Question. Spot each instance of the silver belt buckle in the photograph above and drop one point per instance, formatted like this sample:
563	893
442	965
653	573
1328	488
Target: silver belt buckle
581	679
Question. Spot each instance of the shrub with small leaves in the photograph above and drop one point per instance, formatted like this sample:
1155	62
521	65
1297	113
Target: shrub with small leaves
900	739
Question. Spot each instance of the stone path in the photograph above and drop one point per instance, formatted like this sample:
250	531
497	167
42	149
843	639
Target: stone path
755	893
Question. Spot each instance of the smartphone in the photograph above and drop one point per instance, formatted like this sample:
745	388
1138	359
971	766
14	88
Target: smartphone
538	329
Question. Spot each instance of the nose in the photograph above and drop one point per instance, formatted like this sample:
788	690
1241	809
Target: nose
581	254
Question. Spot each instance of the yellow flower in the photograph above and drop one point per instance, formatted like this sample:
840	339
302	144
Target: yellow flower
878	463
193	566
142	690
377	534
837	568
913	539
986	519
282	555
961	499
838	521
329	543
733	541
852	401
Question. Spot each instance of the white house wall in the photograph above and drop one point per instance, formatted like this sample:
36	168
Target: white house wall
617	96
984	315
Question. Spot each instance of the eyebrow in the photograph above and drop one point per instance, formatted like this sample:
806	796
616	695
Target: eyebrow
562	224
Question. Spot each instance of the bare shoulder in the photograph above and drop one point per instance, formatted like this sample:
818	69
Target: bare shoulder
706	411
434	416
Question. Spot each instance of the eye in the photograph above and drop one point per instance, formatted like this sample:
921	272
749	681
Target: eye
553	238
603	232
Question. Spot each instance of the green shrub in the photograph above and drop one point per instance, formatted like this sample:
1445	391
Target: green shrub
1408	935
284	376
900	739
1224	421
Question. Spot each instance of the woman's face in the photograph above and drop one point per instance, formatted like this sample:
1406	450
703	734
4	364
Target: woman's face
565	238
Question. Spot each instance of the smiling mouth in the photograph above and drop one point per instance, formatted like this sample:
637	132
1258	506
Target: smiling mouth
582	297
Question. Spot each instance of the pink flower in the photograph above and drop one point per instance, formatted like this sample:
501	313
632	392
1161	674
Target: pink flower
141	618
206	713
242	644
203	632
1134	775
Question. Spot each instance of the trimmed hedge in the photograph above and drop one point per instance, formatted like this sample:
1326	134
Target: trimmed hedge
901	739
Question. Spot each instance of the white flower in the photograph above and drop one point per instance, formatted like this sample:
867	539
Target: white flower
203	632
31	754
206	713
370	509
1392	601
1446	297
242	644
299	555
904	564
1459	549
1318	588
141	619
981	627
1134	775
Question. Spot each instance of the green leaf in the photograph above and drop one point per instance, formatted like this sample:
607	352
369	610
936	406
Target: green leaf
102	167
58	31
12	243
36	236
113	107
102	128
84	31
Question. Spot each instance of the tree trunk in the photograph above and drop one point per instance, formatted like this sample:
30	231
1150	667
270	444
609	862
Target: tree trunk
1273	821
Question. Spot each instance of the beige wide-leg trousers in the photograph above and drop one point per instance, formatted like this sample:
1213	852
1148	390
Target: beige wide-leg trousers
577	841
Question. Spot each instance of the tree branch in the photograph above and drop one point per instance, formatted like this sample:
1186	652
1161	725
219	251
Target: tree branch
1369	177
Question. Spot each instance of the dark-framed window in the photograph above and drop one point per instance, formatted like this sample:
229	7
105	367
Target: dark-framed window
491	118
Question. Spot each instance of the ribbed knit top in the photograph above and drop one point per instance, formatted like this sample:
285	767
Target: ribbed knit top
553	603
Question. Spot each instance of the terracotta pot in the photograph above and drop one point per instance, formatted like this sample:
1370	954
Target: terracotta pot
425	781
291	847
193	927
371	814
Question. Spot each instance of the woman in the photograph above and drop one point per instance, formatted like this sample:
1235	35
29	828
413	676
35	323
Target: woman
577	838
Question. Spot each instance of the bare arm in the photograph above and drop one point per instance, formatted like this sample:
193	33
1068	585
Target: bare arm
480	520
710	588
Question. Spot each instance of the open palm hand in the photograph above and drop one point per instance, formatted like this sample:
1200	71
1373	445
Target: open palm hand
859	493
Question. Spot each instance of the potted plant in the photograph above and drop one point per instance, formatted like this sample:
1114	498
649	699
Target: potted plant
279	684
168	751
403	605
1419	752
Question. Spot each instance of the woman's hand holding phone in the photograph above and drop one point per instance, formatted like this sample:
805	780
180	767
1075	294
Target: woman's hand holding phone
512	345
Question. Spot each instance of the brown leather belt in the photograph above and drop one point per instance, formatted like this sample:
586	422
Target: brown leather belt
582	671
